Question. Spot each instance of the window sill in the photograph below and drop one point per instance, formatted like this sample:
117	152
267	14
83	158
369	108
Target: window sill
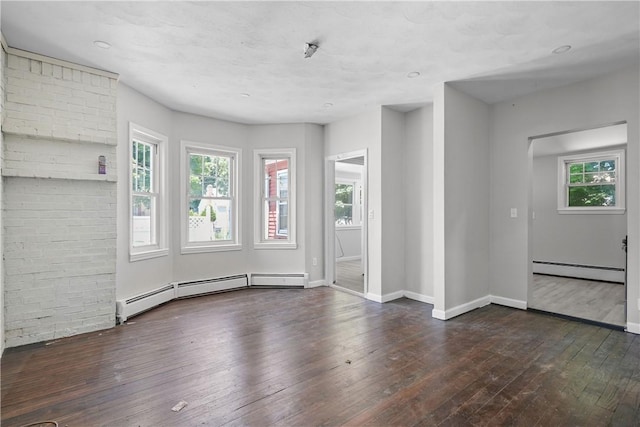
204	249
275	245
142	255
591	211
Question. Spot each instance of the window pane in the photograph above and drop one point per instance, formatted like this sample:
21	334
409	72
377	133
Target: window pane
575	168
608	165
210	175
576	179
273	169
344	214
210	220
344	193
143	208
276	220
283	218
592	166
593	195
283	184
195	186
141	167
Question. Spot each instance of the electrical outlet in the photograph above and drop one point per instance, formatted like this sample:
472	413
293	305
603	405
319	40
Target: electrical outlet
315	261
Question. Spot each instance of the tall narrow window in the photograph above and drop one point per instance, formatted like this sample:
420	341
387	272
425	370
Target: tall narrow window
147	202
344	204
275	179
591	183
211	198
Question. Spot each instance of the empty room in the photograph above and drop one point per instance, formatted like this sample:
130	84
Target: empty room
320	213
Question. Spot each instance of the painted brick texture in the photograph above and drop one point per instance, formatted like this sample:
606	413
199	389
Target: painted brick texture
50	100
59	249
59	214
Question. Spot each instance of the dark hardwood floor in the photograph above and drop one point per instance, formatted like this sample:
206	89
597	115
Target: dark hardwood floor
324	357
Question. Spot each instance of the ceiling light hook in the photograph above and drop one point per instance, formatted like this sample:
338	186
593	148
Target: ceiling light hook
310	49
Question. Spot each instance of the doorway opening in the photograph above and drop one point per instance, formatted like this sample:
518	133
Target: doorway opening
578	223
346	222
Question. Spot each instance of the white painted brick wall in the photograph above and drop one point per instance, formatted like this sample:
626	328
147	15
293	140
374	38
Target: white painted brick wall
60	252
50	100
59	214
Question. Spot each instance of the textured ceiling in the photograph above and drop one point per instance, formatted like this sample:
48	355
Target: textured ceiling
199	57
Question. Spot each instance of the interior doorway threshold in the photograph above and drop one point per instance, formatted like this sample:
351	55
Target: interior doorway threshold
579	319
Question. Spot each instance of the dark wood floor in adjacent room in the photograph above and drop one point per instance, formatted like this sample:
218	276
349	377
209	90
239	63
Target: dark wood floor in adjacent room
324	357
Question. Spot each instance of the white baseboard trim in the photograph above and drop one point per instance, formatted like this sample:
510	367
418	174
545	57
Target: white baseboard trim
373	297
633	328
392	296
461	309
508	302
349	258
419	297
315	284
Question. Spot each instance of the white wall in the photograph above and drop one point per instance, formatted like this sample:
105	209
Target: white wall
206	130
145	275
361	132
393	196
598	101
348	243
313	201
593	240
133	278
466	201
418	202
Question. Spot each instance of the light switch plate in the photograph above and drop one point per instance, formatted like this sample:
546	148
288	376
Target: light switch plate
514	212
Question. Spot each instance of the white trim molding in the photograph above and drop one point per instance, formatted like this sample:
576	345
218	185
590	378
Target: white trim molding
563	186
461	309
316	284
259	155
187	148
633	328
419	297
508	302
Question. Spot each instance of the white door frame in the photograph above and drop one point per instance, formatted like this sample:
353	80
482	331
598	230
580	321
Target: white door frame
531	140
330	225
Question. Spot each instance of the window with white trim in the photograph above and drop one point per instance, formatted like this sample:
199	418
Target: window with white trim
148	221
591	183
275	198
348	203
210	202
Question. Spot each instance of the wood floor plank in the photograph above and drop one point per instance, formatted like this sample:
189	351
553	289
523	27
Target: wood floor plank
324	357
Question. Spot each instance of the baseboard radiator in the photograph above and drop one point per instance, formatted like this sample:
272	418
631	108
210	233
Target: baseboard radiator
589	272
129	307
294	280
202	287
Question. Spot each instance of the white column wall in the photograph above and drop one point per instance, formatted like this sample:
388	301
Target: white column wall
418	215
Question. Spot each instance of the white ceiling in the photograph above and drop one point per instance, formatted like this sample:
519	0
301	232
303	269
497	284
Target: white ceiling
199	57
